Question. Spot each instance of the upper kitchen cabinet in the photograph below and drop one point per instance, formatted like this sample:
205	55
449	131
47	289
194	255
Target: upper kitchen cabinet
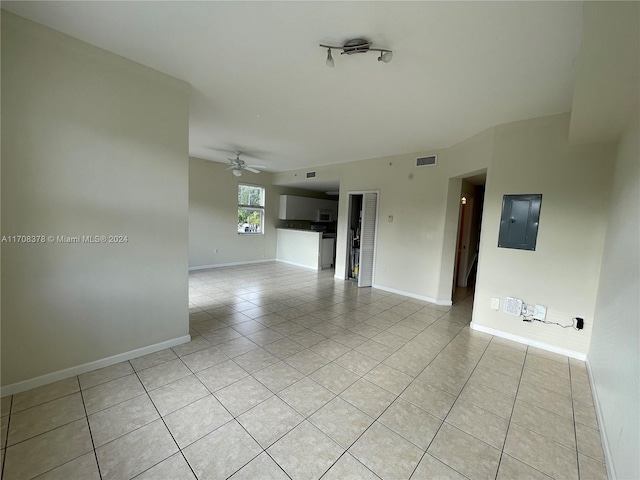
293	207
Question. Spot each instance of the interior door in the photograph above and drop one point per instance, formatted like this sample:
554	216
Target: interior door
367	239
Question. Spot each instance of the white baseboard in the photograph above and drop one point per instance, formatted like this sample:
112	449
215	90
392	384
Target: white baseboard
608	458
413	295
528	341
18	387
298	265
230	264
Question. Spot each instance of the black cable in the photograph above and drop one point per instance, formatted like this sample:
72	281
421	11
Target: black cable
531	319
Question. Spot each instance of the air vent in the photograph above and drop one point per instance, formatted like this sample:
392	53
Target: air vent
429	161
311	174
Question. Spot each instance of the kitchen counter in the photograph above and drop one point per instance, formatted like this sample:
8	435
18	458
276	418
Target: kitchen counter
301	247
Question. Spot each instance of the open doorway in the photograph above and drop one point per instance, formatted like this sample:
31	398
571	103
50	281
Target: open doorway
468	237
361	238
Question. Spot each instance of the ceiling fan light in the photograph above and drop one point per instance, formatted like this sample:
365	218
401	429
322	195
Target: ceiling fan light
330	62
385	57
237	172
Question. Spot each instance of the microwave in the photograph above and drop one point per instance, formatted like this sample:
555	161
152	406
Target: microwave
324	216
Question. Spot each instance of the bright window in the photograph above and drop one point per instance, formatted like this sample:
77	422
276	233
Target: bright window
250	209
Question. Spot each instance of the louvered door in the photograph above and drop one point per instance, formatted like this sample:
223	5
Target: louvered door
368	239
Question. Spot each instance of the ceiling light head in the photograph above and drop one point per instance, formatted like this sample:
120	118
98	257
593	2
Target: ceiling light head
237	172
330	62
357	45
385	56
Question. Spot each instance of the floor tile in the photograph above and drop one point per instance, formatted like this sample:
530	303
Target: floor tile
390	379
479	423
555	427
196	420
113	422
589	442
255	360
84	467
270	420
221	335
499	364
547	380
386	453
177	394
222	452
103	375
173	468
411	422
221	375
236	347
284	348
306	361
341	421
368	397
135	452
278	376
305	453
111	393
430	468
47	451
496	380
348	468
242	395
205	358
591	469
543	398
548	366
4	430
334	377
356	362
330	349
510	468
464	453
46	393
539	452
585	414
431	399
264	336
446	381
492	400
153	359
156	377
42	418
262	467
375	350
306	396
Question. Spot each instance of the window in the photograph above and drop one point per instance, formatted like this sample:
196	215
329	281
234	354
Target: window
250	209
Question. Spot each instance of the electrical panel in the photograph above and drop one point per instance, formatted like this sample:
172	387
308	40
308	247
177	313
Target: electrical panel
512	306
519	221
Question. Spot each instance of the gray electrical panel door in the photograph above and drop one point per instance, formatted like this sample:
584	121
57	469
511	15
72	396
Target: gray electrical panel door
519	221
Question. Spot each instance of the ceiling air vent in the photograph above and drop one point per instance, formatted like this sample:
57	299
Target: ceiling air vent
311	174
429	161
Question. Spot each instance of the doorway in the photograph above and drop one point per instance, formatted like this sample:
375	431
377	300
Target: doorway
361	237
468	237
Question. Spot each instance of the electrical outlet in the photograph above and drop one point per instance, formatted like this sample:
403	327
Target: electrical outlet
512	306
527	309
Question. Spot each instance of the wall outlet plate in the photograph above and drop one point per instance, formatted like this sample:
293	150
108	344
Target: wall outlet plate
512	306
495	303
539	312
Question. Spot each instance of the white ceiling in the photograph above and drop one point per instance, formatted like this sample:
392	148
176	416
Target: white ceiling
260	83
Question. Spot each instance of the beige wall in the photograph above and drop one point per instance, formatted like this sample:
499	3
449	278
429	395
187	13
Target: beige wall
213	215
92	144
562	273
615	342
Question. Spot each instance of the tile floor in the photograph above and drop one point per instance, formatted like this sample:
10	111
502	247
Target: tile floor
292	374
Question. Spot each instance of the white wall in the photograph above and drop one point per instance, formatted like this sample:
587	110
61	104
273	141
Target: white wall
92	144
299	247
614	353
562	273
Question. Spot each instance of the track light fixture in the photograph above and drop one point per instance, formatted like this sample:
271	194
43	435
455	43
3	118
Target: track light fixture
357	45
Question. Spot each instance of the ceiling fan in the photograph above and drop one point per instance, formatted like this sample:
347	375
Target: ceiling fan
237	165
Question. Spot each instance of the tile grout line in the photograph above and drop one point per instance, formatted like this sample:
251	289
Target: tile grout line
6	446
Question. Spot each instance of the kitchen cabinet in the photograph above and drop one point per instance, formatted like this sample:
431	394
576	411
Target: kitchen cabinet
293	207
328	252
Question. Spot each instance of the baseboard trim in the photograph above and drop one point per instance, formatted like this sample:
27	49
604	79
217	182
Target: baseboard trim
608	458
230	264
413	295
527	341
18	387
298	265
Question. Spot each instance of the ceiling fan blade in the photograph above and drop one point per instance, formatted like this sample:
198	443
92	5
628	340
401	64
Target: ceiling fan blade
256	166
230	167
251	169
